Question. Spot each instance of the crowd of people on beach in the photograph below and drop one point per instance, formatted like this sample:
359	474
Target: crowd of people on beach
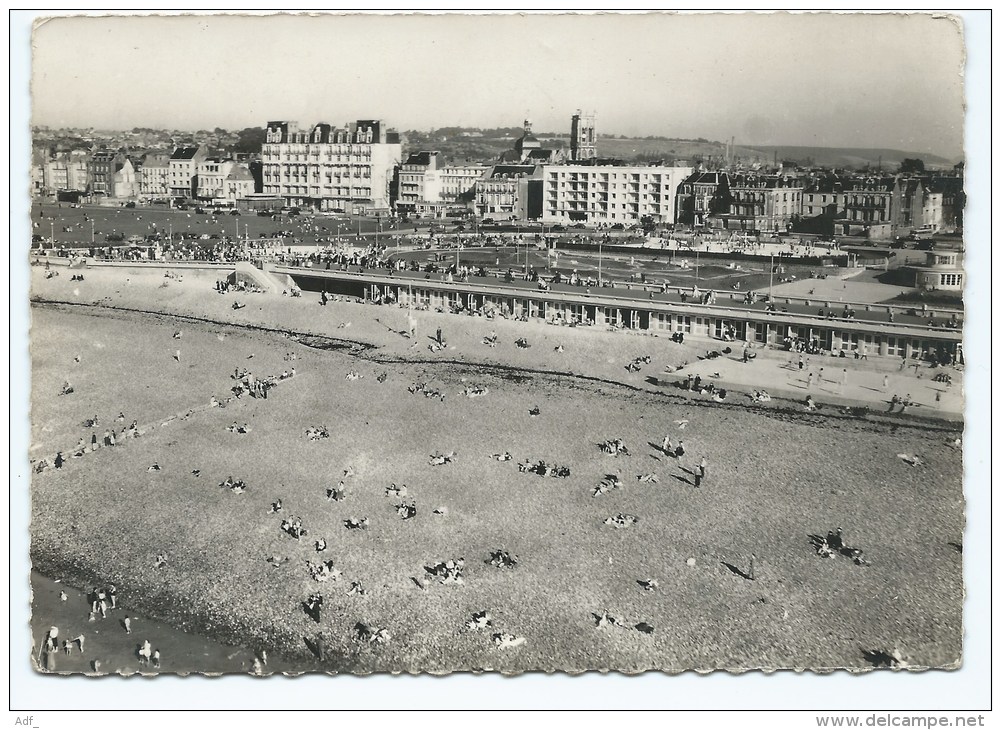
99	601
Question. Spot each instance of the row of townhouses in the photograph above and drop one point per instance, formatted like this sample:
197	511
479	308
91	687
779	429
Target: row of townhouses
873	206
186	172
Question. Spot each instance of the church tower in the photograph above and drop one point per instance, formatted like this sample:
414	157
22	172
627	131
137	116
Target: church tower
582	137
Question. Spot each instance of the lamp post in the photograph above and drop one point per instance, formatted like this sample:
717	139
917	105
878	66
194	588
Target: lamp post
599	263
771	273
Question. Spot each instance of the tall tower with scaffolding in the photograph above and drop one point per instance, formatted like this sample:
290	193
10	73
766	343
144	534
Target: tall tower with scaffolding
582	137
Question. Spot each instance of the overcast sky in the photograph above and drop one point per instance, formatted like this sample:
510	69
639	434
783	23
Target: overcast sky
813	79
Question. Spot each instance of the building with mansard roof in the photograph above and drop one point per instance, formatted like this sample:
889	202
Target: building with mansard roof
330	168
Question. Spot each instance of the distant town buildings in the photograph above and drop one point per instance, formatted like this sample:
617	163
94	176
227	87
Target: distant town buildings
359	168
331	169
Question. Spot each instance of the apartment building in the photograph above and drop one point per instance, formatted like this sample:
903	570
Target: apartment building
182	171
65	171
101	170
760	203
610	194
427	187
154	175
509	192
701	195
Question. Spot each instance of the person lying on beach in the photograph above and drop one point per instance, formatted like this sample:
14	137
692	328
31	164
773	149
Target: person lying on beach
506	456
439	459
237	486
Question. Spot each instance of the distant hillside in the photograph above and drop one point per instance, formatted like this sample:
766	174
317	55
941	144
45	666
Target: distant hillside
464	145
849	156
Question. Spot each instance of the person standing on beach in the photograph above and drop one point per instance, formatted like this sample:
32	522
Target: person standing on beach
844	378
809	381
700	472
679	451
886	382
666	447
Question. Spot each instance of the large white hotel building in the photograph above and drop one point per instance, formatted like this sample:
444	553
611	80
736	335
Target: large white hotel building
329	168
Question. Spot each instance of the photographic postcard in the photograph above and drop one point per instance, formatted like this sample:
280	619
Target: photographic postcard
363	344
